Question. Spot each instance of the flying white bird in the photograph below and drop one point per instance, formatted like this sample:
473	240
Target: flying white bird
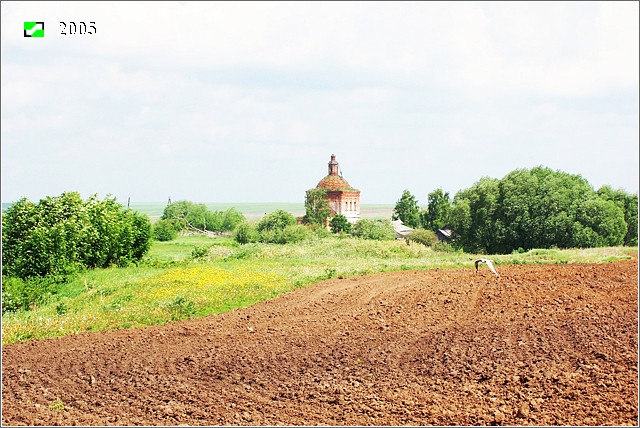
489	263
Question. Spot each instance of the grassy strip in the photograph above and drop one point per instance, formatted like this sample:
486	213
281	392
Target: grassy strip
173	285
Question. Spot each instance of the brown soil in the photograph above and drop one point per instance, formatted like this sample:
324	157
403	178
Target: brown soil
541	345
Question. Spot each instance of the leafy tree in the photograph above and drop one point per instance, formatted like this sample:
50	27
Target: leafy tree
629	205
407	210
197	217
437	214
599	223
540	208
178	211
230	219
472	216
316	206
214	221
380	230
339	224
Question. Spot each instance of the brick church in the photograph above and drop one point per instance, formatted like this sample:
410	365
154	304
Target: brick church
343	199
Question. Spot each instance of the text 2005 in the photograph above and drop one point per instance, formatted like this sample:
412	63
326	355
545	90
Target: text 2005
71	28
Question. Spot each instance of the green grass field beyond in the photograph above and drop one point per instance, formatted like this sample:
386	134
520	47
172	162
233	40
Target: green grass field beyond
171	285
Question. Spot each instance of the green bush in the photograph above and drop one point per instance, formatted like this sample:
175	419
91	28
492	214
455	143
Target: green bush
422	236
277	220
22	294
245	233
231	218
200	251
295	233
380	230
340	224
61	235
165	230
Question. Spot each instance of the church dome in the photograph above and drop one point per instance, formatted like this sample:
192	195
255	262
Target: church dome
334	182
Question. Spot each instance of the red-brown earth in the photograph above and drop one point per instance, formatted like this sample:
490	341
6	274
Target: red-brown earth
541	345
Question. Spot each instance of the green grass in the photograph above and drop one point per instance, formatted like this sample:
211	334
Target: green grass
171	285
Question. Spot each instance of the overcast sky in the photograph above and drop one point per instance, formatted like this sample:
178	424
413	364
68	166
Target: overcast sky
246	102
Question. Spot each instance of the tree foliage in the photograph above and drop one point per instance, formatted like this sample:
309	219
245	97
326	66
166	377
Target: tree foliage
541	208
340	224
380	230
62	234
629	205
278	227
187	215
316	207
422	236
436	215
277	220
165	230
407	210
246	233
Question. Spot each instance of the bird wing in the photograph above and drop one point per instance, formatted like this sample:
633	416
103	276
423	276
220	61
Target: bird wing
490	264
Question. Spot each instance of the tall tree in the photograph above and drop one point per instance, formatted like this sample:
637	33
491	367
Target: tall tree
407	210
316	206
436	215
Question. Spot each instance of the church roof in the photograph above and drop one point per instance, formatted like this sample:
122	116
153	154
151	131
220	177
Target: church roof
334	182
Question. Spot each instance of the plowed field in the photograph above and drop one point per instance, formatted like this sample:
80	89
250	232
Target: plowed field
540	345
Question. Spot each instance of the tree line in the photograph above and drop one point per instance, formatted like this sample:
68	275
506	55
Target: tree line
528	208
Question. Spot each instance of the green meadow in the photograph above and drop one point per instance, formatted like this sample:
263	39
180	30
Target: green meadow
196	276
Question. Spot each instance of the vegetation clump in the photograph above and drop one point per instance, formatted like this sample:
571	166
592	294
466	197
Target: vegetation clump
340	224
316	207
184	216
62	234
278	227
422	236
380	230
528	208
541	208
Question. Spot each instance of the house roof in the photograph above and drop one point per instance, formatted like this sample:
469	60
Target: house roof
445	232
400	228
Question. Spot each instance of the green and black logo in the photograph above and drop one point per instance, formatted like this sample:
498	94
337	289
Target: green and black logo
34	29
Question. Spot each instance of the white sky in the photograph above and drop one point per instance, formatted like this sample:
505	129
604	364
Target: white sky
245	102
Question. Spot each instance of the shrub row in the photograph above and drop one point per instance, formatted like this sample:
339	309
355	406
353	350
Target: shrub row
62	234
